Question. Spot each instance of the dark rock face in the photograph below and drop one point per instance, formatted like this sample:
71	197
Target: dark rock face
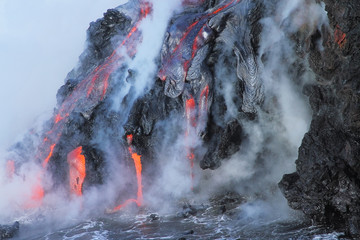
326	184
9	231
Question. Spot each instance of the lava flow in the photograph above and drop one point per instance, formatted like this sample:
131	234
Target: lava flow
195	36
190	126
138	169
88	93
340	37
77	170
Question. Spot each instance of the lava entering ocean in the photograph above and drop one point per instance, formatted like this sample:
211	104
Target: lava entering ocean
77	170
138	169
87	94
186	77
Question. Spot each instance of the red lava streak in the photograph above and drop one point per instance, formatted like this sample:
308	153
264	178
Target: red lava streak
46	161
340	37
191	123
138	168
177	53
87	94
195	36
190	113
77	170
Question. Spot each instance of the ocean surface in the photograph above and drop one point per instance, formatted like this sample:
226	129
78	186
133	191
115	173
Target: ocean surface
204	225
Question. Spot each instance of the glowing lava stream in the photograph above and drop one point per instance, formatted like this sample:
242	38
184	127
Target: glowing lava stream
138	169
77	170
87	94
190	127
178	53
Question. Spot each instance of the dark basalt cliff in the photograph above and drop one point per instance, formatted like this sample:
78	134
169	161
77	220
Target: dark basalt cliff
326	184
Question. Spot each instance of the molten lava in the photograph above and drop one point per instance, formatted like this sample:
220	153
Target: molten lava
191	35
46	161
190	126
77	170
177	59
138	169
190	114
87	94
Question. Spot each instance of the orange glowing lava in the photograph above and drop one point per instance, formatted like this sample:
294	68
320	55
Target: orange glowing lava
77	170
46	161
87	94
138	168
191	123
190	113
37	195
178	52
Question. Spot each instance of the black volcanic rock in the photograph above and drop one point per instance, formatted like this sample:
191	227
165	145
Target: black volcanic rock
326	184
9	231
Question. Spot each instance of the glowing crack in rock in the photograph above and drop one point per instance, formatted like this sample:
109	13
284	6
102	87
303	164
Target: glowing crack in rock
340	37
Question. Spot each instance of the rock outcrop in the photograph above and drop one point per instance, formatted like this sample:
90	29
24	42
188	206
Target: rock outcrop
326	184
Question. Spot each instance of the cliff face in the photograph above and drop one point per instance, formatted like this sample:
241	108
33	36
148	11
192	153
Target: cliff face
326	184
202	100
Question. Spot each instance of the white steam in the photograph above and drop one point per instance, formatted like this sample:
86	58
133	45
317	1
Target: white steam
153	31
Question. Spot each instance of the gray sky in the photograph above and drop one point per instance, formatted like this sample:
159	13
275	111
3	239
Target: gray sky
40	41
